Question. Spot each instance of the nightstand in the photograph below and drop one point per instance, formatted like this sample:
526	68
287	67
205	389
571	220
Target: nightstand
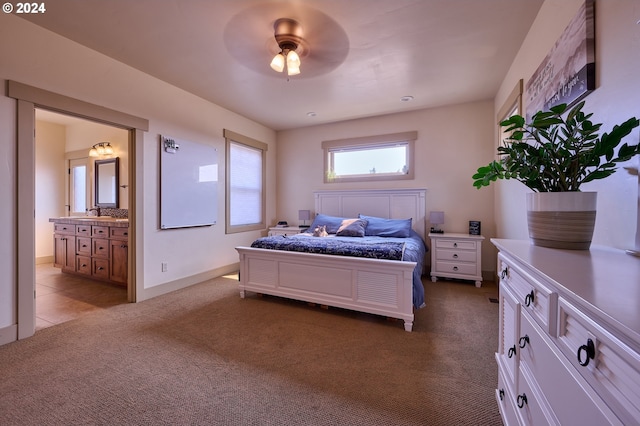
287	230
456	256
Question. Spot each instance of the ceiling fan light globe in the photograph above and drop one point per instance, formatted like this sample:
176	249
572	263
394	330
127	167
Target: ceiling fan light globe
293	60
277	63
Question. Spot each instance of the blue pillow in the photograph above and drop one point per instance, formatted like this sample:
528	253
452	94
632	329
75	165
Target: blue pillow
352	228
332	223
380	227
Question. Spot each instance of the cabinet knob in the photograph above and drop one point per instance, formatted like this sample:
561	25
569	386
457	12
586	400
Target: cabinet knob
522	400
523	341
123	246
512	351
529	298
455	268
455	244
589	351
455	255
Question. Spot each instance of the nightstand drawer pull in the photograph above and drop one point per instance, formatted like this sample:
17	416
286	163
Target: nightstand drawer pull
455	244
523	341
455	268
455	255
529	298
522	400
589	350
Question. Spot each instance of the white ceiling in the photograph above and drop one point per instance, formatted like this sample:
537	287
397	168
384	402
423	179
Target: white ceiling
363	55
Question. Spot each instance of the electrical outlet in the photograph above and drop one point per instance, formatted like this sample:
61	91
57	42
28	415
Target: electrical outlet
165	265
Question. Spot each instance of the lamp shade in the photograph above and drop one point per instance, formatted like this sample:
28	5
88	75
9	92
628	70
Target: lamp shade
436	218
304	214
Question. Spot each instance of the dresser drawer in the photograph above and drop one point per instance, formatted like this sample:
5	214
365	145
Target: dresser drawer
83	246
64	228
614	370
454	244
555	377
99	231
535	298
118	233
456	255
84	230
100	248
456	268
100	268
83	265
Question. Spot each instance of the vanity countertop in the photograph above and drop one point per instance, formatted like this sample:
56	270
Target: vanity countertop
93	220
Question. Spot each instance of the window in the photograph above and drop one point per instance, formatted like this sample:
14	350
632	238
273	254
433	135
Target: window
512	106
246	171
78	187
385	157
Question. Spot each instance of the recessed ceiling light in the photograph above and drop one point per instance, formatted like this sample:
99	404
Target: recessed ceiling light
406	98
311	114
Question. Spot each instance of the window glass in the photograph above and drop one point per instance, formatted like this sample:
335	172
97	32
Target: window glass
386	157
245	183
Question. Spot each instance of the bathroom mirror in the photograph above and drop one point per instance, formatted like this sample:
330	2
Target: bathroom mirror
106	182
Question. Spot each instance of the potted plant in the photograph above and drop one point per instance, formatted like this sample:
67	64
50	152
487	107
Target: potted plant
553	156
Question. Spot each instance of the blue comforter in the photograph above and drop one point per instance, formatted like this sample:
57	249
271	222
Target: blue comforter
412	249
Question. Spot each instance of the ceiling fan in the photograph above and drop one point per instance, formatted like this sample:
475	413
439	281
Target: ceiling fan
257	35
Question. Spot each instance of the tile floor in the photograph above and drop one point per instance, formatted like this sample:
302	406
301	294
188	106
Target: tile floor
63	297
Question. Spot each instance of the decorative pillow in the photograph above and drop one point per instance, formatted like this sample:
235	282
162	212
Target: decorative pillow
332	223
377	226
352	228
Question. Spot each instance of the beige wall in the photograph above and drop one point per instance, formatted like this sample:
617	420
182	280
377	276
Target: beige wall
452	142
37	57
615	99
50	182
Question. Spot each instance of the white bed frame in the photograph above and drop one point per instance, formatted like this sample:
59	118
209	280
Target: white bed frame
381	287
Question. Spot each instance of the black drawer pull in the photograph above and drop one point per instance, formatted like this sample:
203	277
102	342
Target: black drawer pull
529	298
504	272
512	351
501	393
455	255
455	244
123	246
455	268
523	341
522	400
590	351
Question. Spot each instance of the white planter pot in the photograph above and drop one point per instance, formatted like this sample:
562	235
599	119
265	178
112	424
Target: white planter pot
563	220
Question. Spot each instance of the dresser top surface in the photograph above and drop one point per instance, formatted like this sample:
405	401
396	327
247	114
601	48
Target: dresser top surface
607	279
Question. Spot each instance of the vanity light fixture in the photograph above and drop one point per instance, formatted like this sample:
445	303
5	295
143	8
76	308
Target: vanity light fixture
101	149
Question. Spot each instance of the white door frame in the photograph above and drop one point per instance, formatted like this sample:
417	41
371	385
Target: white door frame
28	98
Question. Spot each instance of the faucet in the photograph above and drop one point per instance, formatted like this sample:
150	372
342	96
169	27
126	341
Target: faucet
96	209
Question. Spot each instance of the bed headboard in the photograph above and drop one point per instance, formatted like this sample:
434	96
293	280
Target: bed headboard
386	203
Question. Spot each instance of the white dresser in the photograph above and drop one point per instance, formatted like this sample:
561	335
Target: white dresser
569	336
456	256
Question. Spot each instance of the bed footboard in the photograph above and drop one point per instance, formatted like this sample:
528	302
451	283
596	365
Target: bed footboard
381	287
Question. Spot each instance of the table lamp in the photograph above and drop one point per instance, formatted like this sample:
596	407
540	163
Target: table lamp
436	219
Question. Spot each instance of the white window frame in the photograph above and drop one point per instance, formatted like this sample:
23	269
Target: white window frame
369	142
235	138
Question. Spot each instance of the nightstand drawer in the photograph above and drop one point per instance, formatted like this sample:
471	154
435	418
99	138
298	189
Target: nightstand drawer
456	268
456	255
453	244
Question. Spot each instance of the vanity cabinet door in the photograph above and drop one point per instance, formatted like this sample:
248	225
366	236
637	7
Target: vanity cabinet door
119	256
64	253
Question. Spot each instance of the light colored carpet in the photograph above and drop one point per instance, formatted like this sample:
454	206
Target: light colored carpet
204	356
